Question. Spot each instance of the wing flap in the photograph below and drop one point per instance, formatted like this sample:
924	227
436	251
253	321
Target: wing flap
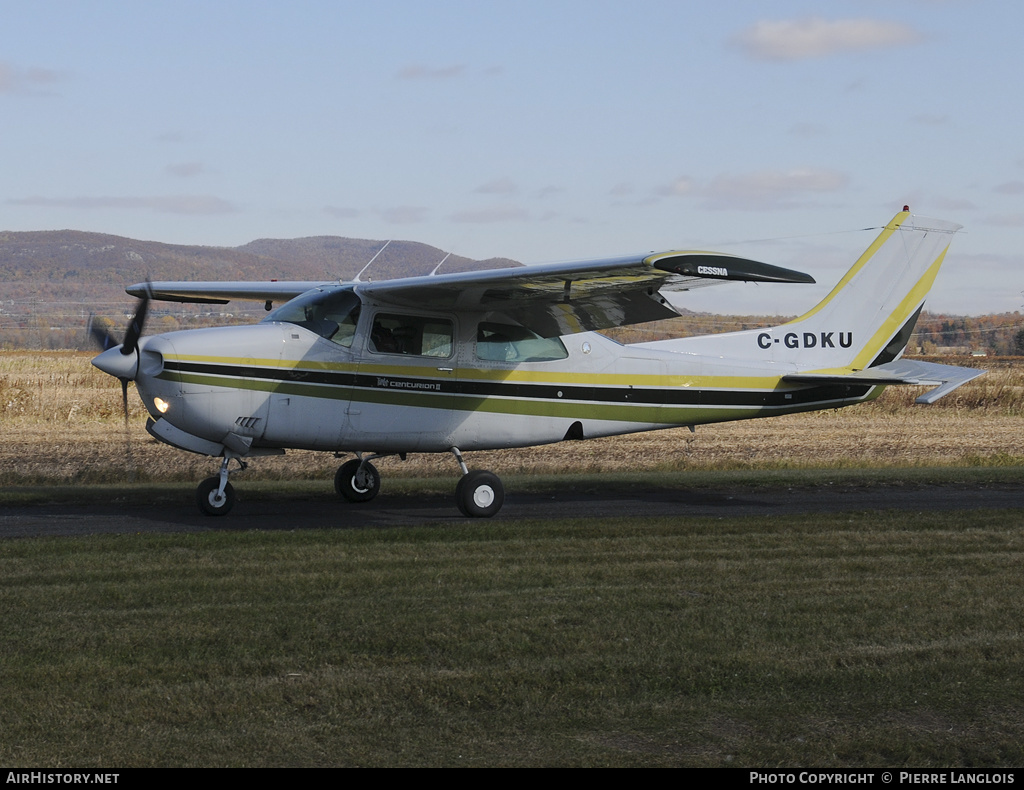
564	298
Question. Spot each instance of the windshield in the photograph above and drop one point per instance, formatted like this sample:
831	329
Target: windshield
332	314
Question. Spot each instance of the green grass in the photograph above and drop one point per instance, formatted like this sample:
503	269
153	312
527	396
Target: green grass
835	640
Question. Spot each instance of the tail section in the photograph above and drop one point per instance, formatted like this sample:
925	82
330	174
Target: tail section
857	334
869	316
865	321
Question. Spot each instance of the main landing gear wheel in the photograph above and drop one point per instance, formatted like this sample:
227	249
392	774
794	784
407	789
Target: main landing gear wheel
357	481
208	500
479	494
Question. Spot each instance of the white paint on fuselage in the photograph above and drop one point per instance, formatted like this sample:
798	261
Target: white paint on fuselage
280	385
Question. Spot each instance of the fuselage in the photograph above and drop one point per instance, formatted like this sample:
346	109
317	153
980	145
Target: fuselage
375	378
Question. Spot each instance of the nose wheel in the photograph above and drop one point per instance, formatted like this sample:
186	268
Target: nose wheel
211	500
215	496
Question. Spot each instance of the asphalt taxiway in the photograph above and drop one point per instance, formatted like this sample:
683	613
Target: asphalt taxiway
404	511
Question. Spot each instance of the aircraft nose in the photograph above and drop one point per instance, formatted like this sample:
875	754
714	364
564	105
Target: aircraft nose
114	363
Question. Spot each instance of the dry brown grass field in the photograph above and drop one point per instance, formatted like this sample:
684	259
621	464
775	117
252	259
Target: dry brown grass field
61	422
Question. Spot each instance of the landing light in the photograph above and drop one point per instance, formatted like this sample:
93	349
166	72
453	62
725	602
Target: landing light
161	405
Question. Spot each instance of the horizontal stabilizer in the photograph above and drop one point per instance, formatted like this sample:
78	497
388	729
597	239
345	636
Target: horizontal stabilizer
944	378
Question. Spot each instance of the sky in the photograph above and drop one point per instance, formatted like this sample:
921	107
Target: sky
538	131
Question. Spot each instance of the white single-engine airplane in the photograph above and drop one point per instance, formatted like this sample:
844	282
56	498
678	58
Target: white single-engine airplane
511	358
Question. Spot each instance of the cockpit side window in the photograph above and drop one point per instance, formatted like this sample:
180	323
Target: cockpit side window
411	334
512	343
332	314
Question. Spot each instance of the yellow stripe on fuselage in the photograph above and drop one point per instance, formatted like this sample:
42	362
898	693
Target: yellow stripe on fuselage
499	374
265	363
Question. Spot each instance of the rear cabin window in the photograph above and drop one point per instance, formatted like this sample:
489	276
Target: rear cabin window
512	343
413	335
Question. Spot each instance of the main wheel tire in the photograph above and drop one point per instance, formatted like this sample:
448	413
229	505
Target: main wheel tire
479	494
208	501
357	485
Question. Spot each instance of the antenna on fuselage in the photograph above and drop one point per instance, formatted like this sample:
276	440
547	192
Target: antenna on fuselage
367	266
434	270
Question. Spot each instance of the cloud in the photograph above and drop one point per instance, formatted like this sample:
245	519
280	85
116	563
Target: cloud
953	204
814	37
341	213
499	186
31	80
1006	220
808	130
420	72
623	193
769	189
1010	188
402	215
186	169
550	190
931	119
163	204
681	186
489	215
764	189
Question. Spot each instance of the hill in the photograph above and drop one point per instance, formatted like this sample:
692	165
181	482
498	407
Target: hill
53	280
73	261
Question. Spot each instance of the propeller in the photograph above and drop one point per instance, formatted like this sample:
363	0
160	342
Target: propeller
116	358
100	334
134	331
106	341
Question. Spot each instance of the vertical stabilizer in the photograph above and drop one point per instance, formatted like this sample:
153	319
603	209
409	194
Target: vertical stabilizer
867	318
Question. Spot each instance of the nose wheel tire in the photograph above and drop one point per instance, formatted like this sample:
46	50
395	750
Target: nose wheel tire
209	502
357	484
479	494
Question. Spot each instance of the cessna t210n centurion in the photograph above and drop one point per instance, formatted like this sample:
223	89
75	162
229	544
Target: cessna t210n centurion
511	358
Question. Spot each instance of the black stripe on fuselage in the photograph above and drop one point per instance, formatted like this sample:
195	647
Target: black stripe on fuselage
677	396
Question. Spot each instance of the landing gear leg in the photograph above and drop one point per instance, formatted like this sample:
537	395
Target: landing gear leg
479	494
215	496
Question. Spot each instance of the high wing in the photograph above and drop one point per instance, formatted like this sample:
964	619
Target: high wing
550	299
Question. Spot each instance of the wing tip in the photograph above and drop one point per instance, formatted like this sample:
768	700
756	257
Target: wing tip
717	266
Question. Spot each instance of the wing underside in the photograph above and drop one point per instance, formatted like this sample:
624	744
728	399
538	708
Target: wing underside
551	299
565	298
